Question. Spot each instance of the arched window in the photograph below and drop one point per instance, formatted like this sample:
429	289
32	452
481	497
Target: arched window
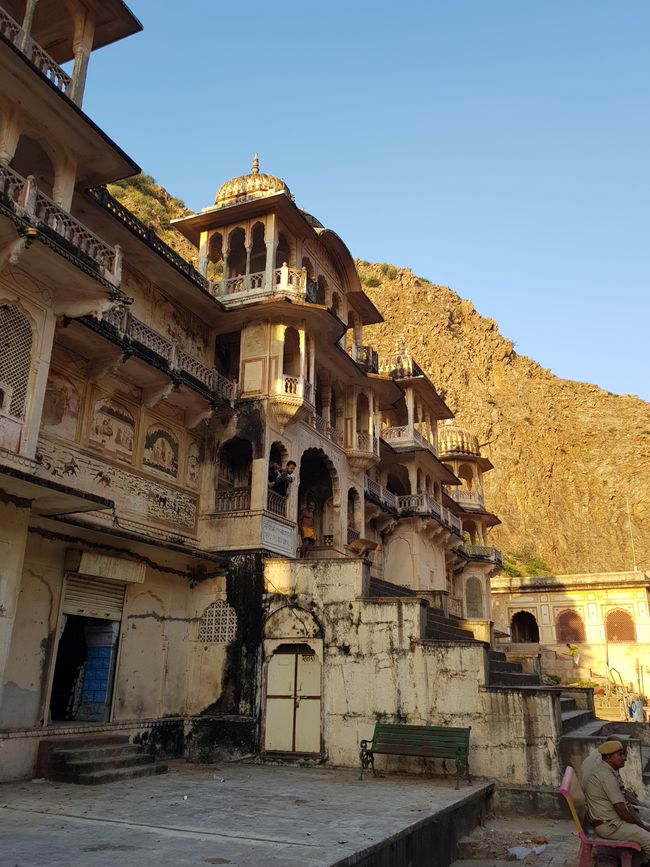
291	352
398	481
466	476
473	597
236	253
619	626
15	359
234	476
569	627
258	249
283	251
524	628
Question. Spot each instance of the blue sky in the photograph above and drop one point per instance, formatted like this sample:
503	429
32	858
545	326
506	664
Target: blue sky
499	147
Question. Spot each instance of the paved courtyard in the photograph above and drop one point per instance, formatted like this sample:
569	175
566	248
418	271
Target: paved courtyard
488	846
237	814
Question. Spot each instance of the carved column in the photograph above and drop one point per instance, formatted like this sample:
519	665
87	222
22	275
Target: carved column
410	409
272	239
84	33
247	279
203	253
26	30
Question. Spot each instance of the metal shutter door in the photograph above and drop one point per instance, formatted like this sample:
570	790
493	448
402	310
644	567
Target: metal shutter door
93	597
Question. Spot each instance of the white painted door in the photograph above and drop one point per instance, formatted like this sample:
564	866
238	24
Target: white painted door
293	700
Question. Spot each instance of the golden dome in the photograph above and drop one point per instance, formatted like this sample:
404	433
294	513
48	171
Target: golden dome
455	439
252	186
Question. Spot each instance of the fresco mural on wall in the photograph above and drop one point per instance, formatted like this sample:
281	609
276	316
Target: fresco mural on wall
112	428
132	494
161	451
180	326
193	465
61	406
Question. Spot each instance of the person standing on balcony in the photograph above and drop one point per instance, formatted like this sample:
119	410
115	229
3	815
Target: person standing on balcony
279	480
307	523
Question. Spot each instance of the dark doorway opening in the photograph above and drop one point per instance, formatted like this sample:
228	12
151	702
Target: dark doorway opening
82	687
524	628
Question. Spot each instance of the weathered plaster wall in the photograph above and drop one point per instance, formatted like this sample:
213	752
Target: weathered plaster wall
376	667
34	633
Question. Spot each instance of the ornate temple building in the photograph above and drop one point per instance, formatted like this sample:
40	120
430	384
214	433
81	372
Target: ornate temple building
152	582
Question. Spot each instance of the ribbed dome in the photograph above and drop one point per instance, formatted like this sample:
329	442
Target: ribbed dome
252	186
455	439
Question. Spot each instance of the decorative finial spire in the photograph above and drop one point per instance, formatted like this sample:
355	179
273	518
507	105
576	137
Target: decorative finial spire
256	165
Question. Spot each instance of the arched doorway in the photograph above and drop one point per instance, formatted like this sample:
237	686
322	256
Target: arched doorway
619	626
524	628
293	651
319	484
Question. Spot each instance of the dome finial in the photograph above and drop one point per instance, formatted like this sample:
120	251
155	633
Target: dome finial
255	170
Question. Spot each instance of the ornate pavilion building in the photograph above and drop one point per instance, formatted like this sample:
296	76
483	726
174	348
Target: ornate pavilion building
151	584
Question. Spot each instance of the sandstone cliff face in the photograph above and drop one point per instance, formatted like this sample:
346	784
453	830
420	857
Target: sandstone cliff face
568	456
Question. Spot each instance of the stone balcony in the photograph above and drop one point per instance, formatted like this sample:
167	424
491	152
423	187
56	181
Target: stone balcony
40	59
413	504
364	451
60	227
285	283
405	437
473	499
292	398
151	239
365	357
325	429
138	333
483	553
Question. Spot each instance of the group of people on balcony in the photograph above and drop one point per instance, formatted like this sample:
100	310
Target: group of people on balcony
279	480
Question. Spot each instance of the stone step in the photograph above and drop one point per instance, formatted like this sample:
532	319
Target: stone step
497	655
381	588
573	719
85	766
439	632
87	740
497	666
81	753
567	703
513	679
95	778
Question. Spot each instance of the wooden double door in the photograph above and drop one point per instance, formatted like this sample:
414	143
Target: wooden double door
293	701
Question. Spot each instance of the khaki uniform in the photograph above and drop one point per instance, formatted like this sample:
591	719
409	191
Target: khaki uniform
602	791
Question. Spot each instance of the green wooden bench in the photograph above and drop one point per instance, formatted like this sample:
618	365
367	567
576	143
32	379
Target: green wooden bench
431	742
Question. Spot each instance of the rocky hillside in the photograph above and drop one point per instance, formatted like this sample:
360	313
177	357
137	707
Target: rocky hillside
568	456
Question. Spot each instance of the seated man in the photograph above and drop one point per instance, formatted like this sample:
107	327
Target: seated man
608	811
593	761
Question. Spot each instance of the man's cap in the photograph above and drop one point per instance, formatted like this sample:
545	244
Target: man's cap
610	747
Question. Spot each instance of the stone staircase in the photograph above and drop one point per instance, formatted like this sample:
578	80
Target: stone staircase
93	759
441	627
575	718
504	673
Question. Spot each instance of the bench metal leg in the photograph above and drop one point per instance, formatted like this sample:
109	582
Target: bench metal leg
367	760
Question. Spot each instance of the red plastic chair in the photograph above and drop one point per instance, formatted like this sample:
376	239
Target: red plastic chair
589	839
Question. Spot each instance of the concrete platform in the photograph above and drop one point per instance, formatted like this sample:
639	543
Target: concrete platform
259	816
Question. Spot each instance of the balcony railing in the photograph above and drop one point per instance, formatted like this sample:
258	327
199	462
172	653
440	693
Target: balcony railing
139	332
296	386
148	235
276	504
465	497
325	429
367	359
400	366
482	552
235	500
379	494
353	535
12	31
413	504
285	281
366	442
405	435
61	226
